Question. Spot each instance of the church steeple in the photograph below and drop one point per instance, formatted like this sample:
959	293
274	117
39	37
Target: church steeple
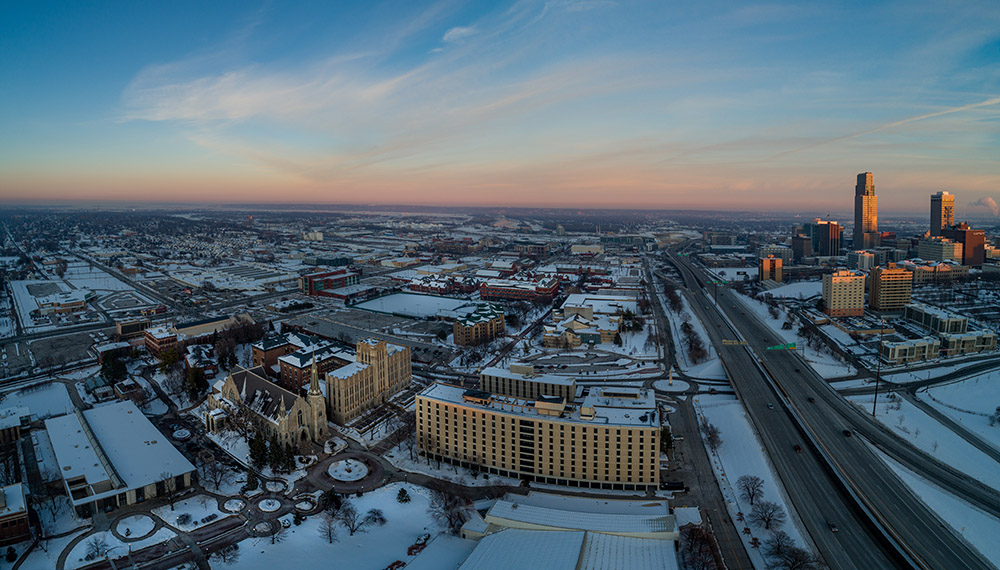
314	378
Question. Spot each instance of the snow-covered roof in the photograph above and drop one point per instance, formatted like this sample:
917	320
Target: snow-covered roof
14	500
607	552
516	548
136	452
345	372
560	512
540	378
11	417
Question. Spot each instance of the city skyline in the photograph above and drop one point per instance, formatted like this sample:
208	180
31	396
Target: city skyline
583	104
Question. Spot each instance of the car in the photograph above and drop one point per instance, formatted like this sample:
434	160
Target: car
847	433
797	448
423	538
770	406
811	400
797	370
285	523
833	527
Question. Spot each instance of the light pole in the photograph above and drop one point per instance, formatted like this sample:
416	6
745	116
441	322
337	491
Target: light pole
878	364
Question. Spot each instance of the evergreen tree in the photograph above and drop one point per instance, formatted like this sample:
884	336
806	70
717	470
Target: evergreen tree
275	453
196	384
258	450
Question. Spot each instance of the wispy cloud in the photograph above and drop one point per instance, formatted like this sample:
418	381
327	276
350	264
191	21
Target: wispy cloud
459	33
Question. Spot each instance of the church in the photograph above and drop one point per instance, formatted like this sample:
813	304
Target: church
289	417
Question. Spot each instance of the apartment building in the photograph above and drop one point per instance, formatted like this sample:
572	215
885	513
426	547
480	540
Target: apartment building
844	294
521	381
482	325
609	440
912	350
770	268
890	288
935	319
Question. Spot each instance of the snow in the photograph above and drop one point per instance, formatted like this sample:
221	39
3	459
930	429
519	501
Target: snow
676	319
81	275
798	290
269	505
118	548
347	470
135	525
198	506
824	363
666	386
304	548
977	527
415	305
46	554
710	370
42	400
234	505
913	425
741	454
970	403
400	458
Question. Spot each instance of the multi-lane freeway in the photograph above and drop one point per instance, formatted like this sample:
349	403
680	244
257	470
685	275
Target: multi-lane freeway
836	478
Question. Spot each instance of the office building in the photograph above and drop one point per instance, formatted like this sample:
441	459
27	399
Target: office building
865	212
782	252
863	260
826	238
939	249
608	440
770	268
890	288
801	247
844	294
973	243
381	370
942	212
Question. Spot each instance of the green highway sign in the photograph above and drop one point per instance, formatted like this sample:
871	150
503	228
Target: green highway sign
789	346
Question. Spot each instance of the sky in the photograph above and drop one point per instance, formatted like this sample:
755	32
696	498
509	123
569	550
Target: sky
575	103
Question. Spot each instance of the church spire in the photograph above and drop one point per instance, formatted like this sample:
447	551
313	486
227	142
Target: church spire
314	377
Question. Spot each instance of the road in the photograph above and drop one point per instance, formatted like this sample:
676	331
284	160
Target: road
836	478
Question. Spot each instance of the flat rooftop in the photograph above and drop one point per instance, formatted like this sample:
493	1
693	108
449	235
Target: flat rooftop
540	378
611	407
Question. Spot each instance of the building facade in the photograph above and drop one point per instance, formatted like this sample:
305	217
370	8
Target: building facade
482	325
520	381
865	212
610	440
973	243
861	260
844	294
939	249
942	212
770	268
380	371
912	350
890	288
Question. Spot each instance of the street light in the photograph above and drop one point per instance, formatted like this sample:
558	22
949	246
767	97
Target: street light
878	364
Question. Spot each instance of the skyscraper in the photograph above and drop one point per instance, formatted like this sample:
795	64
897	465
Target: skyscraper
942	212
865	212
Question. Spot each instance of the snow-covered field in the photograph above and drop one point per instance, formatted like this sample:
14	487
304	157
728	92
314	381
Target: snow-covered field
380	546
741	454
415	305
927	434
977	527
400	457
135	525
798	290
969	402
198	507
347	470
75	559
46	554
676	320
82	276
42	400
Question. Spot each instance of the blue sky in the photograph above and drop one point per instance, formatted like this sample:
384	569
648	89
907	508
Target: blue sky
591	103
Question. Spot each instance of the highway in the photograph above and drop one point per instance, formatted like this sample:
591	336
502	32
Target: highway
835	479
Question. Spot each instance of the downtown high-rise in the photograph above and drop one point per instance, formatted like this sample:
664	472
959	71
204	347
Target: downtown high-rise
865	212
942	212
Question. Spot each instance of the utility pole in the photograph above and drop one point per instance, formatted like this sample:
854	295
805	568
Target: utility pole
878	364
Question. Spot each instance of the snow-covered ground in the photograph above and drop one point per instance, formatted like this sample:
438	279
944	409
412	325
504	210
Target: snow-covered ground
198	507
927	434
798	290
970	403
676	320
347	470
400	457
305	549
416	305
42	400
82	276
674	386
977	527
824	363
240	451
75	559
135	525
741	454
46	554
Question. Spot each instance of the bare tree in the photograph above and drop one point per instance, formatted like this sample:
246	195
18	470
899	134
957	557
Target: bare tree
169	487
349	516
712	435
279	534
698	549
796	558
227	555
214	472
751	488
767	514
448	505
778	544
97	546
242	421
328	527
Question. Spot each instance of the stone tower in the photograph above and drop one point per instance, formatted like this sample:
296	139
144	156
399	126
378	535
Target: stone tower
317	403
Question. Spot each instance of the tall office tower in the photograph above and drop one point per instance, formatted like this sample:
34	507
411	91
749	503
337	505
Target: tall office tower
827	238
942	212
865	212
